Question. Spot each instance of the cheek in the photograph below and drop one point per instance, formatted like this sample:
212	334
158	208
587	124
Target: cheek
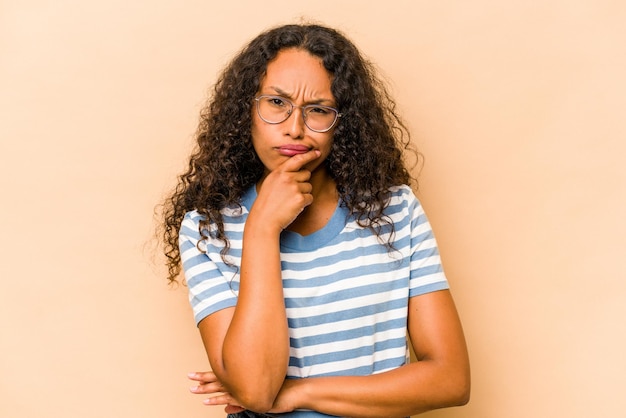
327	147
257	134
254	127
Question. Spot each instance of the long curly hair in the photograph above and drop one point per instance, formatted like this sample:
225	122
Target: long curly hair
368	144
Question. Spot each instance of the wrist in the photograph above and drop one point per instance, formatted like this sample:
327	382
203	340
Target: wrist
261	226
302	393
295	395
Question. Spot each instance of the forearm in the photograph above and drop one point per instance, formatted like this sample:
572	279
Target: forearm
439	379
255	353
408	390
249	352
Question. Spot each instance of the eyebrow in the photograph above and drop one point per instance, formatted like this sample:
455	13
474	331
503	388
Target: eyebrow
283	93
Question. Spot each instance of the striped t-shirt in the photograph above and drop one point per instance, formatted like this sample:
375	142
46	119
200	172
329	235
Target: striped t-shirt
346	293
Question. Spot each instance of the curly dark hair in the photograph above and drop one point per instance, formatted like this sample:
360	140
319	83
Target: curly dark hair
368	144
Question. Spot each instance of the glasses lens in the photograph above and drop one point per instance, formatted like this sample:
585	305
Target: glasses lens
319	118
273	109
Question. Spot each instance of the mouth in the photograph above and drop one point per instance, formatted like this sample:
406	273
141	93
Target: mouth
291	150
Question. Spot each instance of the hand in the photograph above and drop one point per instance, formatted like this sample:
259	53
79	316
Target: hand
285	192
286	400
208	384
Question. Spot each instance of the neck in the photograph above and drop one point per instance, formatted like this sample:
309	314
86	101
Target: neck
323	185
315	216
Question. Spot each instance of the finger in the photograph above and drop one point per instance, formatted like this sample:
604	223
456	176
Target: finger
301	176
202	376
296	162
305	188
208	388
224	399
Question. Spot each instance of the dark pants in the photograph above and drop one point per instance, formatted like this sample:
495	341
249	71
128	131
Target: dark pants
248	414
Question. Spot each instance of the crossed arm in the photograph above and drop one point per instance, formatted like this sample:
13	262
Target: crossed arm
440	378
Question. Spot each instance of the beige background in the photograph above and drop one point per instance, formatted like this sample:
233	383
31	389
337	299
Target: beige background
518	107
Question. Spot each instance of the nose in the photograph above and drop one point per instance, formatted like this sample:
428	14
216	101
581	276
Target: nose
294	124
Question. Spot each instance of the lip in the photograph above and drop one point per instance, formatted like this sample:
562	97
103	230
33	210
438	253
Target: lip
291	150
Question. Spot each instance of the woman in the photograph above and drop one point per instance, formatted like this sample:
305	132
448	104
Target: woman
308	258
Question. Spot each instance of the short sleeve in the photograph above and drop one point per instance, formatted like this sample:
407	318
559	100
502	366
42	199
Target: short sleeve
427	273
209	279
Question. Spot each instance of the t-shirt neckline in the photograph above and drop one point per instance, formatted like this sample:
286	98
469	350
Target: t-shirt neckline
295	241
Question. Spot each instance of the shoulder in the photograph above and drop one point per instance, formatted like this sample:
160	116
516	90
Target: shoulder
403	198
233	214
192	217
402	192
190	224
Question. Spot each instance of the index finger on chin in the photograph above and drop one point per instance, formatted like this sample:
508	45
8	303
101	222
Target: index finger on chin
296	162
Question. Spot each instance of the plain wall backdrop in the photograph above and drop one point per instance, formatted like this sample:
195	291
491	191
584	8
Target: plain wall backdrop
517	106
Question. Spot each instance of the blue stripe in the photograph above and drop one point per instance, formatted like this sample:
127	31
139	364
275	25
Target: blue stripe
200	315
422	237
428	270
196	260
422	254
348	354
399	323
433	287
346	314
354	270
210	291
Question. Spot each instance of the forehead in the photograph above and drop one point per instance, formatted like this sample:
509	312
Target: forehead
296	68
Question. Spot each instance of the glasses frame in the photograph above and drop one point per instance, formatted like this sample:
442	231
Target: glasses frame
293	106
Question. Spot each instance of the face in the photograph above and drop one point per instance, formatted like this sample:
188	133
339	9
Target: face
301	78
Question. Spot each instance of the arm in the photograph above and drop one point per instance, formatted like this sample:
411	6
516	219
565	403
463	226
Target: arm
248	345
440	377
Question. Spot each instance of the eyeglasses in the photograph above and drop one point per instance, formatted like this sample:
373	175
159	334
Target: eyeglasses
276	109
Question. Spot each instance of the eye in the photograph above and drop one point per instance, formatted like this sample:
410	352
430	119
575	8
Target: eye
276	101
318	109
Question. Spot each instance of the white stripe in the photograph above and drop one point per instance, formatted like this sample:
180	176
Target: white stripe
348	325
341	365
